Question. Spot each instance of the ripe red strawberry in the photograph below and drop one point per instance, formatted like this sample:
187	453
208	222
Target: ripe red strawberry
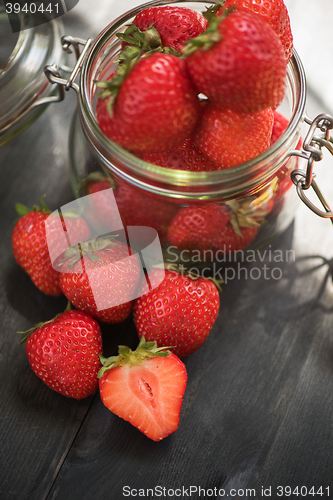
282	176
219	228
32	247
64	353
274	12
174	24
101	278
198	227
186	156
64	229
240	64
179	312
156	106
101	209
279	126
139	209
145	387
135	208
229	138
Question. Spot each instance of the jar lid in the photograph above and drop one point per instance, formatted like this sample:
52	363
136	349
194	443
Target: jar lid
24	89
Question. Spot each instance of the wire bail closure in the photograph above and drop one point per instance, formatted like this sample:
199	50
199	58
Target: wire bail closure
52	72
316	139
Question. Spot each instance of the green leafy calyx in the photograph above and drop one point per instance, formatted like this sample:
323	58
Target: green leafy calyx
249	213
211	35
126	356
29	332
22	210
89	248
140	43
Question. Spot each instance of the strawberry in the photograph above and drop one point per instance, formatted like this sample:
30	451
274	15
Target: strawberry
185	156
155	90
279	126
135	208
198	227
36	235
282	176
101	278
179	312
64	353
138	208
273	12
63	229
238	63
174	24
229	138
145	387
218	228
101	209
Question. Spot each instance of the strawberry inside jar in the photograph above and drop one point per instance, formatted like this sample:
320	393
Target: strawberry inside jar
189	114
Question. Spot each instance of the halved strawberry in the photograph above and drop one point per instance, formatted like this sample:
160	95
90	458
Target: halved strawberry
145	387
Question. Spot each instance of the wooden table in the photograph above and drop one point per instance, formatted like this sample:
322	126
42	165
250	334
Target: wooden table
257	416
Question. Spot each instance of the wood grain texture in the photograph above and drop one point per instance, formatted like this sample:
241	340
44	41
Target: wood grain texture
258	408
254	407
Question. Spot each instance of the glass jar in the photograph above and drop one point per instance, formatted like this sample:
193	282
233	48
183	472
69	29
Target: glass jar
188	209
24	89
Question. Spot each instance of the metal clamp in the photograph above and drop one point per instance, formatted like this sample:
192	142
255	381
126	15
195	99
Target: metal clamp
316	139
52	72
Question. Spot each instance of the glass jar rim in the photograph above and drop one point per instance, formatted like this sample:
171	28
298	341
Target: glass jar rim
172	182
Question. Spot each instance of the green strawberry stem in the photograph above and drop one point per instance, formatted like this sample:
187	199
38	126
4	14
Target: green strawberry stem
126	356
250	212
141	42
24	210
89	248
211	35
146	40
27	333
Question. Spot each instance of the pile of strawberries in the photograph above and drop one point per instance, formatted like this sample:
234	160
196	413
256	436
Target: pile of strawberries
100	276
191	91
211	81
200	92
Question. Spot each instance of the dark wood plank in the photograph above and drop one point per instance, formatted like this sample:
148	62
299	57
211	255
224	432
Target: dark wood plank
255	392
37	426
258	409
